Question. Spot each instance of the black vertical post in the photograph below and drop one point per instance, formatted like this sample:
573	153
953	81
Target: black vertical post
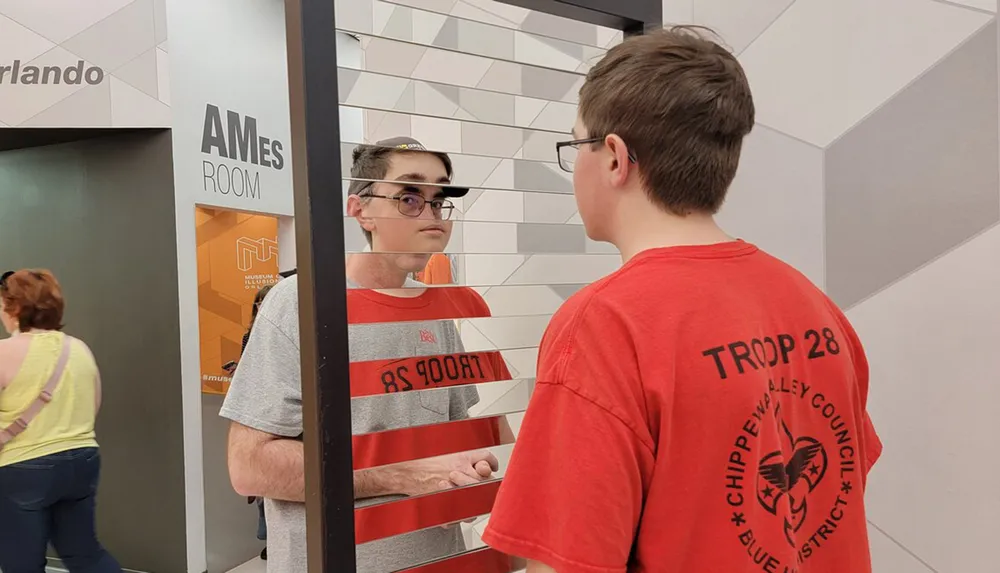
319	223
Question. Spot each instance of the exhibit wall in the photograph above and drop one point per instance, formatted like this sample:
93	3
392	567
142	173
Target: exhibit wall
873	168
231	133
230	117
99	214
84	64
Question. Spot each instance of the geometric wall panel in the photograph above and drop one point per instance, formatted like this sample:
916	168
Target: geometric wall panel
917	177
120	37
738	21
767	205
887	111
838	82
66	112
985	5
60	20
141	73
889	557
931	342
576	32
15	39
132	108
21	102
390	20
117	39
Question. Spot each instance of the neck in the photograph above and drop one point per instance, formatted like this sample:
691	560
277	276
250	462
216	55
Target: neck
375	271
645	227
30	331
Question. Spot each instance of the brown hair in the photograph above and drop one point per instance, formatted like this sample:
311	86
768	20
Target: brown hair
372	162
682	105
34	298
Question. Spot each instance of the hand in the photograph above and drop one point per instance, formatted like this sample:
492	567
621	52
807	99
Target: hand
444	472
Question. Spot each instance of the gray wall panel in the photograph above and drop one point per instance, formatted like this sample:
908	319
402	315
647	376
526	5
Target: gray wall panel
100	215
230	523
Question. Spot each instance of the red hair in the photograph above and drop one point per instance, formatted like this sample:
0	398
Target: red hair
34	298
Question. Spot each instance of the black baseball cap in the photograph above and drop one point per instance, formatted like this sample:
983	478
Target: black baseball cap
401	143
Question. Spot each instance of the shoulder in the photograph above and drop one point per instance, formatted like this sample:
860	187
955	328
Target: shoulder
594	325
282	299
470	302
83	347
7	346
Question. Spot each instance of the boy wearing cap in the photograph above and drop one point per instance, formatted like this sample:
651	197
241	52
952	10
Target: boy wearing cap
403	337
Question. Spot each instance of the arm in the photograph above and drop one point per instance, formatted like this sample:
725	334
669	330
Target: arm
539	567
97	392
264	465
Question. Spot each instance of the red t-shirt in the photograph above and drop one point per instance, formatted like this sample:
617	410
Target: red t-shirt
377	377
702	410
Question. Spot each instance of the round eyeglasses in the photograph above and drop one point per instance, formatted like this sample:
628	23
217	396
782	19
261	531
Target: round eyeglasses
413	204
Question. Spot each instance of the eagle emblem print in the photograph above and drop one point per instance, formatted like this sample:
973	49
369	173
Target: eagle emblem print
794	471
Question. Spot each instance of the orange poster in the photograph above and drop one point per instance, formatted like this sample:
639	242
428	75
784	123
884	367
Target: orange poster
237	256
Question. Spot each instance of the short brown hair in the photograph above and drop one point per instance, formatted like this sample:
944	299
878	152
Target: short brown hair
682	104
373	161
34	298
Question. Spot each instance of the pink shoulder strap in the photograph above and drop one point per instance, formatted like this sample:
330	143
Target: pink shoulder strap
21	423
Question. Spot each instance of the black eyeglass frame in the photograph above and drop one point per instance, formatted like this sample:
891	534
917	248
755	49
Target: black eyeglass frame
447	206
4	277
578	142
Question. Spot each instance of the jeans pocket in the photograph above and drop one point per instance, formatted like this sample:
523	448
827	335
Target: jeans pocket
91	455
28	484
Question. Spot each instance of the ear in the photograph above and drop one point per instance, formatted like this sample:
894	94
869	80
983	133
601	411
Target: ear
620	165
356	209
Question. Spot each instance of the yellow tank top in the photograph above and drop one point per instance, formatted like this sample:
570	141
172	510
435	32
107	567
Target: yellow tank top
67	422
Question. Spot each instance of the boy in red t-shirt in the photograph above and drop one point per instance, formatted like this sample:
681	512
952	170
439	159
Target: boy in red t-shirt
702	409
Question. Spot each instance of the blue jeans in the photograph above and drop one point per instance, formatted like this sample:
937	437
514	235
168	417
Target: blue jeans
52	499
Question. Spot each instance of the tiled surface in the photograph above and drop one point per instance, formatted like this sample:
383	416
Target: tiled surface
844	81
738	22
125	38
985	5
390	63
928	156
767	205
931	340
515	18
889	557
470	36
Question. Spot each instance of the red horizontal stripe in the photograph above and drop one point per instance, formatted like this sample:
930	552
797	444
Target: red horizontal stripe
485	560
415	513
417	443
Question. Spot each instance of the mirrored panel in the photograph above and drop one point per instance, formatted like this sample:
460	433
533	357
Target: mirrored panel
446	313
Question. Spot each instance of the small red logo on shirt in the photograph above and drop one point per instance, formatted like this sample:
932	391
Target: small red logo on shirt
428	337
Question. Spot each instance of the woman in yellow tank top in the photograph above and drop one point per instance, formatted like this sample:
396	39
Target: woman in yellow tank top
49	460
